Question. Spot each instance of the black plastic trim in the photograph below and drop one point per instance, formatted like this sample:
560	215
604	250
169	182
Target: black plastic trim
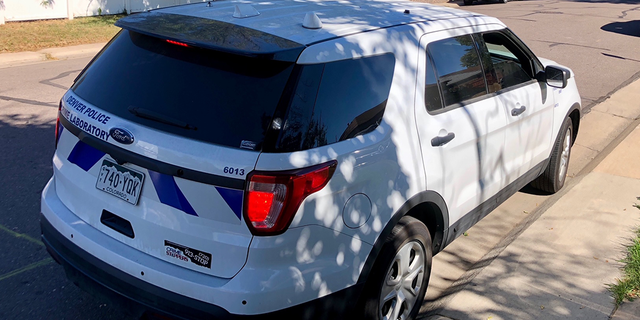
123	156
446	236
576	124
139	297
117	223
481	211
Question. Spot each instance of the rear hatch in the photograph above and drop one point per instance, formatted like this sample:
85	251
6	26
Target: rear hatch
157	135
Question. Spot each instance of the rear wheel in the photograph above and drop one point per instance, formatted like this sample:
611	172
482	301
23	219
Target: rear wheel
399	278
552	180
468	2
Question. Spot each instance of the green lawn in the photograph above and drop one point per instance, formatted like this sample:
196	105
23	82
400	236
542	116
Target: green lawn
628	288
36	35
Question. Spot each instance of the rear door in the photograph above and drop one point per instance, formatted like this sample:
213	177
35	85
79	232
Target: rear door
461	126
158	139
164	195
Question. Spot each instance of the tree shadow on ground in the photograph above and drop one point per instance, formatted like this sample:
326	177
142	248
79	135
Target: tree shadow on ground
628	28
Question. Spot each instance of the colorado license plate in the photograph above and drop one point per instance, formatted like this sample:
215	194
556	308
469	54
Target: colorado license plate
120	182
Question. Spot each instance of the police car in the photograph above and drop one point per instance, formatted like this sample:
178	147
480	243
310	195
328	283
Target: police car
230	159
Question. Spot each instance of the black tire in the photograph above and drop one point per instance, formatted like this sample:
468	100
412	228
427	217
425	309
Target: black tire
468	2
554	176
504	1
410	239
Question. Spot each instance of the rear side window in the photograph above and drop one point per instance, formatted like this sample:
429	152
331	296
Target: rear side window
458	69
333	102
221	98
431	91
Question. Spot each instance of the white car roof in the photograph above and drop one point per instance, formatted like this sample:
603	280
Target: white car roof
283	18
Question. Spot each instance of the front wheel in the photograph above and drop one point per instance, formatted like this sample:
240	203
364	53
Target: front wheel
468	2
554	176
399	278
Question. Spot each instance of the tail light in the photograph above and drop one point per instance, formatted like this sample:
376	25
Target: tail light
177	43
272	198
58	125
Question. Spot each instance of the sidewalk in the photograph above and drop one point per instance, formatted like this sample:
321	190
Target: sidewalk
559	266
29	57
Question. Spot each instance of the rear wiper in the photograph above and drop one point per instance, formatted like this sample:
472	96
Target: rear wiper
152	115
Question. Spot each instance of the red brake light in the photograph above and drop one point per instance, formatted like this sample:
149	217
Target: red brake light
260	203
177	43
272	198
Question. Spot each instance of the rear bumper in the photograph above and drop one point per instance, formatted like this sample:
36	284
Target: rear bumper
104	266
100	278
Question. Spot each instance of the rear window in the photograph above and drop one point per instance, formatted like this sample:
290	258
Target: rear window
196	93
332	102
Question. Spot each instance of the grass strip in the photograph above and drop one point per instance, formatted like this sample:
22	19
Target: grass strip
628	288
41	34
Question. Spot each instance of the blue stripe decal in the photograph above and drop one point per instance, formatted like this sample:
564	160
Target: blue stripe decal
233	198
169	193
84	155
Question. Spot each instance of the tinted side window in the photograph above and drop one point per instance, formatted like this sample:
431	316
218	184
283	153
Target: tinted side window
458	68
431	91
493	83
511	65
336	101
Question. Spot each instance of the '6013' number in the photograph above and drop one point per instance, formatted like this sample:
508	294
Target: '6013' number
232	170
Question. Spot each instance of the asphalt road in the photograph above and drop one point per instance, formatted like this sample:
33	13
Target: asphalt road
599	40
32	285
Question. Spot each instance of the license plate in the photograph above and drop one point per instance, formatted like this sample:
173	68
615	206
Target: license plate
120	182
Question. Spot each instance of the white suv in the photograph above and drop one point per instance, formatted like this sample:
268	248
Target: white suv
235	158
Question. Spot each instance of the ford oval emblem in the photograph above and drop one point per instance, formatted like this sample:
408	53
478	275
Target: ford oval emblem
121	135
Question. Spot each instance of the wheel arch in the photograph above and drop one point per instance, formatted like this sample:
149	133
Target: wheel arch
432	217
428	207
574	114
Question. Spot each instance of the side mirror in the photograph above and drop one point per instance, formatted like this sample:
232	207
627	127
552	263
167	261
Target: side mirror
556	76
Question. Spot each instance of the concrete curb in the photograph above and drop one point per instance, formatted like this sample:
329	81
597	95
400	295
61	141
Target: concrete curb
63	53
627	311
20	58
85	50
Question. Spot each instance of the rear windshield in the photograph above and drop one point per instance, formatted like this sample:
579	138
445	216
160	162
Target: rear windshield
196	93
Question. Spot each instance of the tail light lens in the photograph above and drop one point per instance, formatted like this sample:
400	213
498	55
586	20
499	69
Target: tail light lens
273	198
58	125
178	43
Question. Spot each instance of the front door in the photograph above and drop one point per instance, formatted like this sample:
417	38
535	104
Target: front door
526	101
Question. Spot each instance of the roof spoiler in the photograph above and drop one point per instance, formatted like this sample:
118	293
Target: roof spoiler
213	35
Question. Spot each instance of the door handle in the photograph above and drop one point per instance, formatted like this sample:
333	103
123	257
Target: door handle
442	140
518	111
